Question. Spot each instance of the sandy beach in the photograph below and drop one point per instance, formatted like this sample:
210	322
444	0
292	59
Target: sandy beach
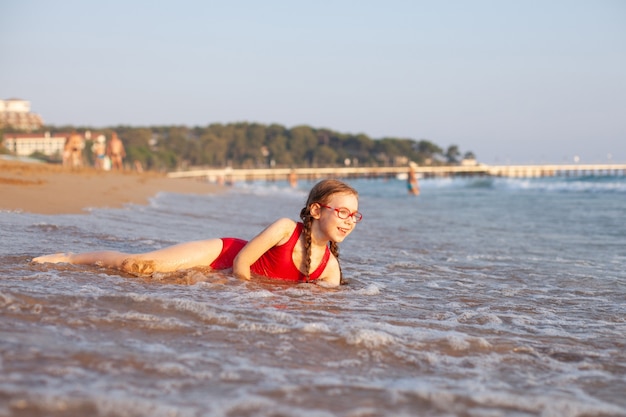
52	189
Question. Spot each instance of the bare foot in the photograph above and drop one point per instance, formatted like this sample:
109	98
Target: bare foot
55	258
138	267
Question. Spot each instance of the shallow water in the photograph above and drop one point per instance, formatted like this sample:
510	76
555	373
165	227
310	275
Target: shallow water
481	297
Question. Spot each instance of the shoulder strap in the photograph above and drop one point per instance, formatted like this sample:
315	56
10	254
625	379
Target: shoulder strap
296	234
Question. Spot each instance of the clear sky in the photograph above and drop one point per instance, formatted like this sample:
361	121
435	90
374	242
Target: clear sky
514	81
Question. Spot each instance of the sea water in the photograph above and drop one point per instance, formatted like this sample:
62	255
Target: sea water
479	297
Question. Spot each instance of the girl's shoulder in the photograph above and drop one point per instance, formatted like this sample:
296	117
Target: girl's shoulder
281	229
284	224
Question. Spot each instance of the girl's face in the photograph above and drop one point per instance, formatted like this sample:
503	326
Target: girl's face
335	228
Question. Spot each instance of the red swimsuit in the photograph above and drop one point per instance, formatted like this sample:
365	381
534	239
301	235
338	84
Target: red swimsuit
275	263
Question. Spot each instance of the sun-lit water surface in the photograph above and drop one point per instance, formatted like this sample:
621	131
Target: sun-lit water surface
480	297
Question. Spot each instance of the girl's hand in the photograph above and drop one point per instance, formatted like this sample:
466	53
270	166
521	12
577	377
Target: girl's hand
274	234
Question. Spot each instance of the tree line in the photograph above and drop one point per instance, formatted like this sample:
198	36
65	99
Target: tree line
254	145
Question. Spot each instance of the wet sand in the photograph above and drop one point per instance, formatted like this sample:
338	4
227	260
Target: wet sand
52	189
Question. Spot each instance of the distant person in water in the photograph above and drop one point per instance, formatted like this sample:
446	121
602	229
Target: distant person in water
285	250
293	178
116	151
412	184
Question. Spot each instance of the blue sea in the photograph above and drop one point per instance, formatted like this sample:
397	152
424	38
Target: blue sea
479	297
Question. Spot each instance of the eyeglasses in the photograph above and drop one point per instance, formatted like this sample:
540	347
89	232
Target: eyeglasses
343	213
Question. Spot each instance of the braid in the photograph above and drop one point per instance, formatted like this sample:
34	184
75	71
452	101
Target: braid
334	249
307	221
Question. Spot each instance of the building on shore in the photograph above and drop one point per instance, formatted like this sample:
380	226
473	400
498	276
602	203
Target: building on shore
25	144
15	114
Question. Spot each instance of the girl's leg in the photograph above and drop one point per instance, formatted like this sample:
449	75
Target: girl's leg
107	259
173	258
181	256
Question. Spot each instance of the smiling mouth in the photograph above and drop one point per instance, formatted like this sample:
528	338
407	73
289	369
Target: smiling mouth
342	230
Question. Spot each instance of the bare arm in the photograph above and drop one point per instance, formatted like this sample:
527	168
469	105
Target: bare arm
275	234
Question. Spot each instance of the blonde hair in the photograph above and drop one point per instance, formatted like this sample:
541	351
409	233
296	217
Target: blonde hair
322	193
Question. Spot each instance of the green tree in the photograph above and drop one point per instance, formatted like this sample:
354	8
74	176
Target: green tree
324	155
253	144
214	149
302	143
469	155
427	149
452	154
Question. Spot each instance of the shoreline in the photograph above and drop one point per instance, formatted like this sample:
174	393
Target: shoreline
43	188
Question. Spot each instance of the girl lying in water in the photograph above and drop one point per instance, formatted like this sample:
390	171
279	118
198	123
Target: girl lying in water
303	251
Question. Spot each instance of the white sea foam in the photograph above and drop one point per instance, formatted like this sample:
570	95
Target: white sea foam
369	338
316	328
371	289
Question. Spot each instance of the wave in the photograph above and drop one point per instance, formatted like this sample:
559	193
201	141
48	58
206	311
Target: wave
262	188
587	184
396	189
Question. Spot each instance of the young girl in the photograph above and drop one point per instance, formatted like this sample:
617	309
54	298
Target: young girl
286	250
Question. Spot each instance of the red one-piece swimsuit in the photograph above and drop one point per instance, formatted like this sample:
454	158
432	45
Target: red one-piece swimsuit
275	263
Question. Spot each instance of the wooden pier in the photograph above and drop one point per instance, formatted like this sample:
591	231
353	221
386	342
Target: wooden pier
227	175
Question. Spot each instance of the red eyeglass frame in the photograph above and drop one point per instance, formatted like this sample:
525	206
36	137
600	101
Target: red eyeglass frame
351	215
